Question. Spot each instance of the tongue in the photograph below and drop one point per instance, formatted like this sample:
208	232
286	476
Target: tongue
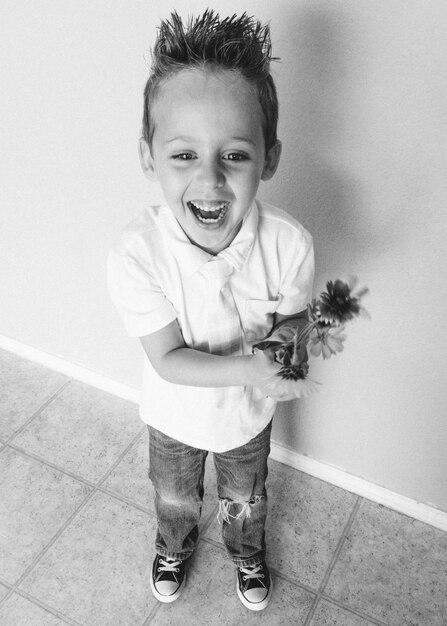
209	214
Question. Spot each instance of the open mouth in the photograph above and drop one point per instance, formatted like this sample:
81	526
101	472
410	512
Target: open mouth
209	212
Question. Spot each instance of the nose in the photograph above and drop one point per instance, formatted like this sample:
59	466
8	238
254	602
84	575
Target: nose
210	174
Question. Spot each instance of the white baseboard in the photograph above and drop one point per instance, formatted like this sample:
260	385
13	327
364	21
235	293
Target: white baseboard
78	372
340	478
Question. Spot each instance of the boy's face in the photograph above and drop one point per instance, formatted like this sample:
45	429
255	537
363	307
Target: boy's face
208	153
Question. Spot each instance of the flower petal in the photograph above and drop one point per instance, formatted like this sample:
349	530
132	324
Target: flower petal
315	348
300	388
327	352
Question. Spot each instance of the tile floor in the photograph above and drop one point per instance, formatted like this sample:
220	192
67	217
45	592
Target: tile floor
77	527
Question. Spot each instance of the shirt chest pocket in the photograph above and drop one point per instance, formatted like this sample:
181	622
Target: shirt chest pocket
258	318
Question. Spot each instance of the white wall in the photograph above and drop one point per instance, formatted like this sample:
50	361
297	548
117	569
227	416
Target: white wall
363	121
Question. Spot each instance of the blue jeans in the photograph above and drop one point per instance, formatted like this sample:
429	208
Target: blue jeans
177	473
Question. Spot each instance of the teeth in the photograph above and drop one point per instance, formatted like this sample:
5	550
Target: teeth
209	212
209	206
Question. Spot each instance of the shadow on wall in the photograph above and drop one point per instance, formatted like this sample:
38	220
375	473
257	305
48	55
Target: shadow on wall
317	97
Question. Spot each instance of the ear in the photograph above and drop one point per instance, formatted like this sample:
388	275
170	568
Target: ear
271	161
146	160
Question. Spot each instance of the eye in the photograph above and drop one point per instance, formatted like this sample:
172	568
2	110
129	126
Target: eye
235	156
183	156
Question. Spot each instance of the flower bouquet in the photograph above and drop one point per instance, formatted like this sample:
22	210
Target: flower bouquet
322	332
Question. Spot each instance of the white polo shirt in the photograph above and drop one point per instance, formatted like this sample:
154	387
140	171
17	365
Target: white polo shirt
154	278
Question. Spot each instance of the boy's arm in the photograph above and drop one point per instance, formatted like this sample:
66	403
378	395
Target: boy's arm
177	363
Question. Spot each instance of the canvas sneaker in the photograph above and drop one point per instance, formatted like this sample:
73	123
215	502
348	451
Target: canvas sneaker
254	586
168	578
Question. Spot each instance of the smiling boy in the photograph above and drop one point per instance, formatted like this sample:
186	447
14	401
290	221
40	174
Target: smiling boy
208	153
202	278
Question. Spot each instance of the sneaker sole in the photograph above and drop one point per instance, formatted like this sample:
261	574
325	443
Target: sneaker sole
258	606
171	598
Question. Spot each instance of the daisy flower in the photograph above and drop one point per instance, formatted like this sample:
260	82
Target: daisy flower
327	341
340	303
301	388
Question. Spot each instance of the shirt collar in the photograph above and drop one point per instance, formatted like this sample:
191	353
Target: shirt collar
192	258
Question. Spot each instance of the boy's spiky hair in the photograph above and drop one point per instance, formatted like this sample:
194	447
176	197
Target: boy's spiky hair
240	44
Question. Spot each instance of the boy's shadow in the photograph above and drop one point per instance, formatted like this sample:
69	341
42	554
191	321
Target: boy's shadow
312	183
317	94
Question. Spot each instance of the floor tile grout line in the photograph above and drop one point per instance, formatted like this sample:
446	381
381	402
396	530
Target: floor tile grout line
54	466
312	610
118	460
209	520
341	541
333	560
55	537
7	596
65	618
342	605
350	609
293	582
37	412
9	592
117	496
5	583
152	614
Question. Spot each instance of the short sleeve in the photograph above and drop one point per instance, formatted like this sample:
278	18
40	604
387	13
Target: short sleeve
139	300
298	276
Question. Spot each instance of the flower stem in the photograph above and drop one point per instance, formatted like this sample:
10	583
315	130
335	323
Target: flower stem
305	333
295	350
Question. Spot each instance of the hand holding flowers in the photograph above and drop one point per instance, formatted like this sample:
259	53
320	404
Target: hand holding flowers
323	334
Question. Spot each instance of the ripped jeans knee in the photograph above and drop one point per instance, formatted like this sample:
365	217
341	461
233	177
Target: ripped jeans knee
233	510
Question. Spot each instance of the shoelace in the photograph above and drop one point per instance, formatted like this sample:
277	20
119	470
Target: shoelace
171	566
251	572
